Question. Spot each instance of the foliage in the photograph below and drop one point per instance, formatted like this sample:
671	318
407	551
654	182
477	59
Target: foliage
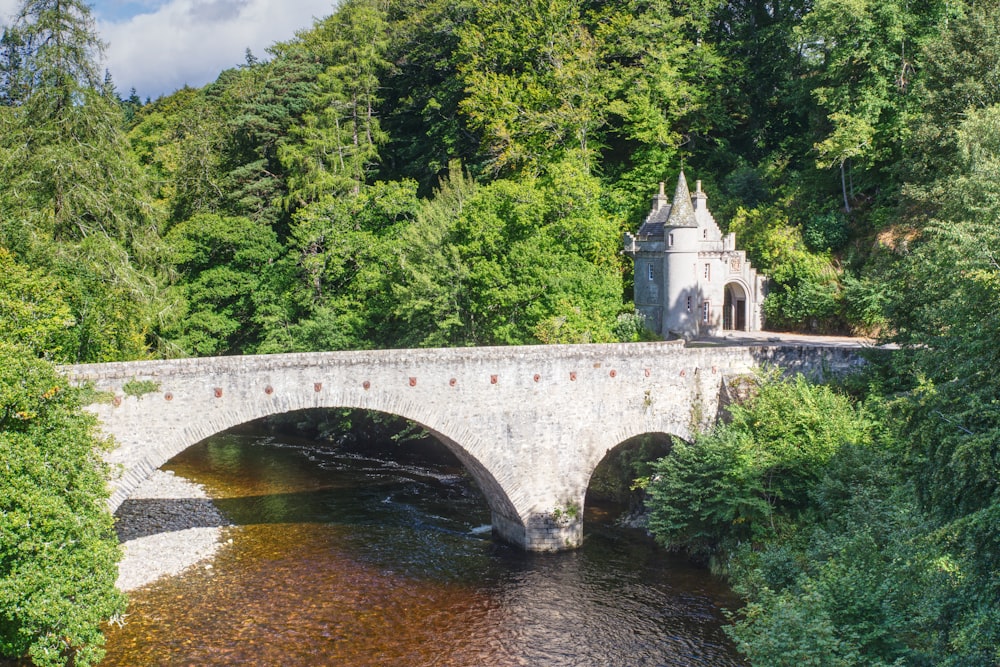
33	313
748	479
515	262
74	202
804	291
533	82
58	552
140	388
632	328
222	266
337	144
853	586
826	231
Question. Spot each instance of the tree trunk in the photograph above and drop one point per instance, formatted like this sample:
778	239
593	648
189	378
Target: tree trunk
843	187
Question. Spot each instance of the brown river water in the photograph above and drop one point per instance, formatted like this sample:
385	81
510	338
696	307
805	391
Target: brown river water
339	559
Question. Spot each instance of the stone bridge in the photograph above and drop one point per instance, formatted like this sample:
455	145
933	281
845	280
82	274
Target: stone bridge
529	423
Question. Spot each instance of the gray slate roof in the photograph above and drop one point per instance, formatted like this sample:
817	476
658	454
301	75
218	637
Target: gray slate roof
678	214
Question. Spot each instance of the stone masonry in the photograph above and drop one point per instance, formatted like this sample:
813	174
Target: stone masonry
530	423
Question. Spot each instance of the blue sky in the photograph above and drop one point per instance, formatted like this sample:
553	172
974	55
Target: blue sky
158	46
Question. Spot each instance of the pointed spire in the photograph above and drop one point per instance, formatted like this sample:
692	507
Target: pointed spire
682	211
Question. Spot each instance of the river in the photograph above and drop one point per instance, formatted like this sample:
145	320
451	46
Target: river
347	559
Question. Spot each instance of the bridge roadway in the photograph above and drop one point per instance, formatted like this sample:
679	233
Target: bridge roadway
529	423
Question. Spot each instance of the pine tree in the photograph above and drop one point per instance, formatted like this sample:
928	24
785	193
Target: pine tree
74	199
337	146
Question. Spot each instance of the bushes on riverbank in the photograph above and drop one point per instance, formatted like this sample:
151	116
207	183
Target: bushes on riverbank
58	552
809	504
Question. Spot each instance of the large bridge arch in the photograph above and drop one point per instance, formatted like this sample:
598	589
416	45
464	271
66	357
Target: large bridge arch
530	423
466	445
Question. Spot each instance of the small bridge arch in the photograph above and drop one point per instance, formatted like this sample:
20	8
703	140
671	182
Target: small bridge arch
530	423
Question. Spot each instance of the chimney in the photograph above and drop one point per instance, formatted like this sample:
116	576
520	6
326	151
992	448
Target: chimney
700	198
660	200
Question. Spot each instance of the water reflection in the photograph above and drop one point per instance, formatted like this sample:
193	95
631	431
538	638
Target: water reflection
350	561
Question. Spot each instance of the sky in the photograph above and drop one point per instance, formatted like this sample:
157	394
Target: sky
158	46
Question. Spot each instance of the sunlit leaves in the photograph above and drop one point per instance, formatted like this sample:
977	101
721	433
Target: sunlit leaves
512	262
33	312
338	142
223	265
534	83
58	553
749	478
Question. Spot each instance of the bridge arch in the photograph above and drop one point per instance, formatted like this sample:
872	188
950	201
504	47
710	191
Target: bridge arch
467	446
612	477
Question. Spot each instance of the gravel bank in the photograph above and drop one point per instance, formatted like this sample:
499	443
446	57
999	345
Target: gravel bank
168	525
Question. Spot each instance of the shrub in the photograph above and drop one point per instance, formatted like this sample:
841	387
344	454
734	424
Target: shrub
748	479
58	551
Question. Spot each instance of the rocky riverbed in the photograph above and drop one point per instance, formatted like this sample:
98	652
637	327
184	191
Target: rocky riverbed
168	525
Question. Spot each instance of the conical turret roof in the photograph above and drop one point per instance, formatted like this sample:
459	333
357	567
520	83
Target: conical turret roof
682	210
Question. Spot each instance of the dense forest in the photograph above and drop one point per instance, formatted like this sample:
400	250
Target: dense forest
459	172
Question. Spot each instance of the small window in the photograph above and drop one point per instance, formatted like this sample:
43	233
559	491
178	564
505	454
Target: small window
704	233
689	304
708	271
650	267
706	311
670	240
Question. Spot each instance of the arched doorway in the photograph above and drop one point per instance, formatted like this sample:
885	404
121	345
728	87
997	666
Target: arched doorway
734	308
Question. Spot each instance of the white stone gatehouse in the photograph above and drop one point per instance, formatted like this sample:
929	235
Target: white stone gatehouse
690	280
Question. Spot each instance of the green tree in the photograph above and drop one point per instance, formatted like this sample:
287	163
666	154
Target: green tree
58	551
511	262
854	585
749	479
335	279
863	56
33	311
337	145
805	291
534	83
949	429
423	92
223	266
74	199
65	153
956	75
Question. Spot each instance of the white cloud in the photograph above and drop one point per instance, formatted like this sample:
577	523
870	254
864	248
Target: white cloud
7	9
191	41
